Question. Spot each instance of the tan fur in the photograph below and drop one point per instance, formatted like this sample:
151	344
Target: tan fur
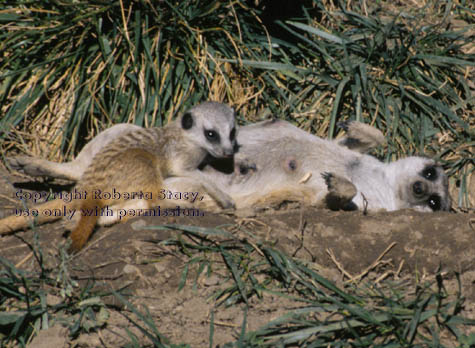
144	173
138	162
276	197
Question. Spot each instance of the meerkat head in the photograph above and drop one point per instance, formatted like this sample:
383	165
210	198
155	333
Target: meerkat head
420	184
212	127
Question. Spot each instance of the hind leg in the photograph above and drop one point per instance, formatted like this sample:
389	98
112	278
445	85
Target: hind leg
69	170
361	137
129	181
41	167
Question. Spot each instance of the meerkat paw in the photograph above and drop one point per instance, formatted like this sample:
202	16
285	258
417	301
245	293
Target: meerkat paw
220	197
227	203
245	166
340	192
360	137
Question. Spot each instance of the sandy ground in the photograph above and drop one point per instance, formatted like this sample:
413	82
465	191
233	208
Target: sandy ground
339	245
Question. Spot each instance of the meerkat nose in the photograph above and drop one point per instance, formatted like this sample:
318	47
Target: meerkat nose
228	152
418	188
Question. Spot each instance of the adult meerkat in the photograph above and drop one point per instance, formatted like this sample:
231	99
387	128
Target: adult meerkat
138	160
334	174
279	162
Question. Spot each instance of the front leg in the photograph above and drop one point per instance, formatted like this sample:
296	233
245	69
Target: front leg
209	187
340	192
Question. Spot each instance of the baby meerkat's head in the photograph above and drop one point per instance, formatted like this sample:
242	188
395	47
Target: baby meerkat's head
212	127
420	184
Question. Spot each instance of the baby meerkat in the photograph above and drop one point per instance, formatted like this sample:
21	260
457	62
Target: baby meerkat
138	160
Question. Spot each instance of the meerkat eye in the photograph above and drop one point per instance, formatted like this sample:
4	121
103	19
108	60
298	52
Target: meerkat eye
187	121
212	136
434	202
430	173
232	135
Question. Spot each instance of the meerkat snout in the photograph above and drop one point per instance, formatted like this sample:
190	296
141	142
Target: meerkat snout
437	178
419	188
233	146
220	146
423	184
212	127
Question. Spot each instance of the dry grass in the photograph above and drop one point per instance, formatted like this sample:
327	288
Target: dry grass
70	70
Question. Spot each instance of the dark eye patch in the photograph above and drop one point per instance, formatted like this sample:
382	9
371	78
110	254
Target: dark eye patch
430	173
434	202
187	121
212	136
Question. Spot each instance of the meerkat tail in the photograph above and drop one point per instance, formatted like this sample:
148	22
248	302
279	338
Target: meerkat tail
86	224
14	223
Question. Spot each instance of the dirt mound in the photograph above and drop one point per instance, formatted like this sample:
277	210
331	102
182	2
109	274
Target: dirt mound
341	246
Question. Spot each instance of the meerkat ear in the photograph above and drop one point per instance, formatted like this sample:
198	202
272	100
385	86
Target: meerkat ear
187	121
